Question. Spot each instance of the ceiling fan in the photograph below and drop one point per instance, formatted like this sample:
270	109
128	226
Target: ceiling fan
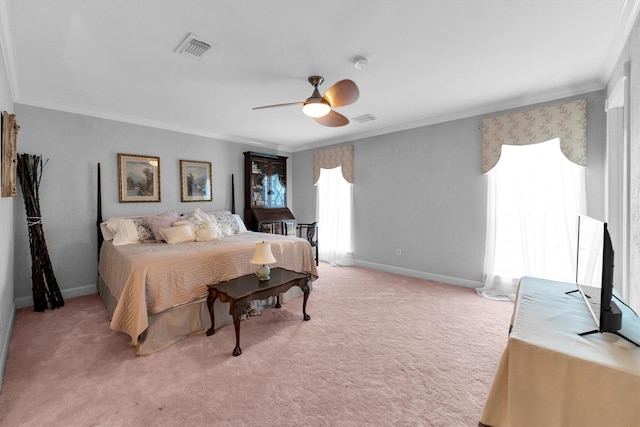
320	107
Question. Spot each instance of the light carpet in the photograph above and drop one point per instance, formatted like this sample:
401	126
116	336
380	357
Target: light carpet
380	349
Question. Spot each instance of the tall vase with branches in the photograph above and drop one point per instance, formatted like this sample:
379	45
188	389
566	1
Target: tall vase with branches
46	292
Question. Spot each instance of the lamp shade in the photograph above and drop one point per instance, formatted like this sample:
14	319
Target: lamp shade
316	108
263	254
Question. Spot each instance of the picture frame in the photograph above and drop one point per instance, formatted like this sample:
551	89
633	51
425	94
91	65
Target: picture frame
138	178
9	155
195	181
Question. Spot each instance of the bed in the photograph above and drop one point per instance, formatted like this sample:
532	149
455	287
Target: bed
155	292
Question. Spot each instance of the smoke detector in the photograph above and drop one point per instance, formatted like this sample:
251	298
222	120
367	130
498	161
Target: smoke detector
360	62
193	47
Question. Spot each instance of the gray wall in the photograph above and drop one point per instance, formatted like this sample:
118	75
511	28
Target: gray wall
74	144
419	190
6	241
422	191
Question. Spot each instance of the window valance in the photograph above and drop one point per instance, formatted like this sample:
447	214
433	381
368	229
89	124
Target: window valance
567	121
332	158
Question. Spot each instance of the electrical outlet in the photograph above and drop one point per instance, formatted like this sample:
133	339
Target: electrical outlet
399	252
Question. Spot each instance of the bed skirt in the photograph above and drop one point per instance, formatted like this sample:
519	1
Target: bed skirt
172	325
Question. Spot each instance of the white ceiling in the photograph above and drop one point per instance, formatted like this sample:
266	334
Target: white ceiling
430	61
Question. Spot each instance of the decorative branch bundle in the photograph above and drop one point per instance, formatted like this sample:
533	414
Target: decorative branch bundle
44	285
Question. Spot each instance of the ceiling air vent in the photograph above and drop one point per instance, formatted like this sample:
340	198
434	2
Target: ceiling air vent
364	118
192	47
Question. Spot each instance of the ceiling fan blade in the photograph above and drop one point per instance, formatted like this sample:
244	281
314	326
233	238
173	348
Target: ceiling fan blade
343	93
333	119
287	104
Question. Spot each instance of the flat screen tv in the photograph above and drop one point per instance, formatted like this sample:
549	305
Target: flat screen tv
594	275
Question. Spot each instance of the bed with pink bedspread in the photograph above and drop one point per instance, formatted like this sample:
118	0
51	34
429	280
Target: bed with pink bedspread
156	292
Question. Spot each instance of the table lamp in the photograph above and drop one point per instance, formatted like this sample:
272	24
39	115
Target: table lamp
263	256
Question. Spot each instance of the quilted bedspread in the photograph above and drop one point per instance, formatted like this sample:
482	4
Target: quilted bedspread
148	278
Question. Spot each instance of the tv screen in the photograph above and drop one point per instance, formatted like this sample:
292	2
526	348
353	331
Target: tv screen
594	275
589	263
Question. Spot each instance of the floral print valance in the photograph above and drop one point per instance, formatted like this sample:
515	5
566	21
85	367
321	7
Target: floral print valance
332	158
567	121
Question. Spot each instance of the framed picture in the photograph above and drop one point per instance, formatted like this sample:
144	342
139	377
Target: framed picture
9	155
139	178
195	181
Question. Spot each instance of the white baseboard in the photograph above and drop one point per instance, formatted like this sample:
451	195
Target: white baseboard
4	345
419	274
66	293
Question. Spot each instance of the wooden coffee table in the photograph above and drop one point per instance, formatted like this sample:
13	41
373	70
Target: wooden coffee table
241	291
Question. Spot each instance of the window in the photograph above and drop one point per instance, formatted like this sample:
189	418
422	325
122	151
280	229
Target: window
334	217
534	198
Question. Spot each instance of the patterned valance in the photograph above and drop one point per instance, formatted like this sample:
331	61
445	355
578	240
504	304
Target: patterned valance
567	121
332	158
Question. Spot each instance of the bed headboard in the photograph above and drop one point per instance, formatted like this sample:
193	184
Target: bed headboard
233	196
99	212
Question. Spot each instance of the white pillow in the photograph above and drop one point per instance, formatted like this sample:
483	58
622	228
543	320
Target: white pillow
212	224
195	218
208	233
193	226
201	215
124	231
178	234
204	231
226	230
240	227
106	233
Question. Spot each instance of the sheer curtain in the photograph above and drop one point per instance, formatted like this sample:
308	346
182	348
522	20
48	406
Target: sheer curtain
534	198
334	217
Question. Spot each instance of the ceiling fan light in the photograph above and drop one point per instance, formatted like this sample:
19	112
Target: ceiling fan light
316	108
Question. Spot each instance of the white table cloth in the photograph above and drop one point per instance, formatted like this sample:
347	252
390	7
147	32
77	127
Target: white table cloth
551	376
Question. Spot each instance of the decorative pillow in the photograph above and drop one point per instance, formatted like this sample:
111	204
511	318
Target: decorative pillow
159	222
212	224
204	232
186	222
239	226
191	219
226	218
144	233
203	216
124	231
226	230
218	215
106	233
212	214
208	233
178	234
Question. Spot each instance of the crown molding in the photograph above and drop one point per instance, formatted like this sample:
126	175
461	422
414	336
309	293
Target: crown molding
6	46
626	21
